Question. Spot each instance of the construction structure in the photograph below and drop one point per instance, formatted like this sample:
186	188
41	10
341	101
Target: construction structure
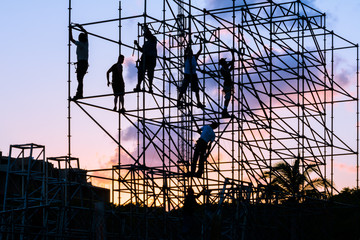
283	110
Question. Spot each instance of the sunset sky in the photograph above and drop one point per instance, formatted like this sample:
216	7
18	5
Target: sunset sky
34	53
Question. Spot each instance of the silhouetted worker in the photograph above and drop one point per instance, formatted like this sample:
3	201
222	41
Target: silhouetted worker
225	70
190	226
190	75
147	60
82	53
203	146
117	83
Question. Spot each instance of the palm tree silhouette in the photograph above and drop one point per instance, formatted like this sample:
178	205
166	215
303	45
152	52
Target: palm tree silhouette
293	182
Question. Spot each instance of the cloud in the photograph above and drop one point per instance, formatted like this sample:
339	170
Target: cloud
129	133
130	70
345	167
218	4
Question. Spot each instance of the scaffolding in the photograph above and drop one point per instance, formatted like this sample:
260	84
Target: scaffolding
284	108
47	198
26	175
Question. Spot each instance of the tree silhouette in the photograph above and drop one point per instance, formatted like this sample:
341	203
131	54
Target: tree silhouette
293	182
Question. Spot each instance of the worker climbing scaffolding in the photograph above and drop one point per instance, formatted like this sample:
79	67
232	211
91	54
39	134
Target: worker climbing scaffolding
228	89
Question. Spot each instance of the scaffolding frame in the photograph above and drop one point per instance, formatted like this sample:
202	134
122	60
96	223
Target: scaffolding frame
283	108
26	174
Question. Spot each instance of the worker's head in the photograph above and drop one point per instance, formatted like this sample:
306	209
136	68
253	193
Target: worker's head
83	37
147	32
188	51
121	59
222	62
214	125
190	191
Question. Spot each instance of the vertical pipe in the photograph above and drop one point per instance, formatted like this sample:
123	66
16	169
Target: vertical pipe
206	173
332	116
219	96
232	101
45	194
241	96
189	42
134	194
270	109
69	92
145	198
357	116
302	157
65	209
165	187
185	119
113	184
189	123
298	58
232	122
238	80
325	105
69	83
138	112
119	114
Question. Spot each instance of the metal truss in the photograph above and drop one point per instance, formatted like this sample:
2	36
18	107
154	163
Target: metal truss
24	193
47	198
284	107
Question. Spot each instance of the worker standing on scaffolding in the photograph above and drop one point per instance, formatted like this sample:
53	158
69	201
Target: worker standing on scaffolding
190	76
147	60
117	83
82	53
203	147
225	70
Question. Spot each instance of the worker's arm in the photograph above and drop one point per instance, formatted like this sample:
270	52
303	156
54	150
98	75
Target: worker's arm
107	76
82	29
70	34
138	46
199	52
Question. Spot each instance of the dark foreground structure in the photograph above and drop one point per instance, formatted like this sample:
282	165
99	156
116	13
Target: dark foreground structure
270	171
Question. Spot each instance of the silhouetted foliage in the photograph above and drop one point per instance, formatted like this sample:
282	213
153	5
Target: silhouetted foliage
293	181
348	196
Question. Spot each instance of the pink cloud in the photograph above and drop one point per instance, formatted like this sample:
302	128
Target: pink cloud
345	167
